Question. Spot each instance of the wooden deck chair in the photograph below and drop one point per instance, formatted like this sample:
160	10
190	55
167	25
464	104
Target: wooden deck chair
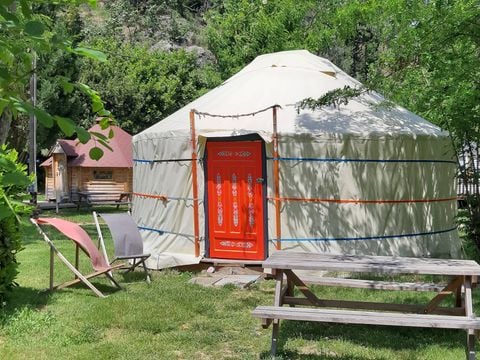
127	241
82	241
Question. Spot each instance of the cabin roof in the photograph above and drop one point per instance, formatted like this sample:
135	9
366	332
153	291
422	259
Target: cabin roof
78	153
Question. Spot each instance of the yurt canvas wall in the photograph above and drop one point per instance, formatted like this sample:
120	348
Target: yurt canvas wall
364	178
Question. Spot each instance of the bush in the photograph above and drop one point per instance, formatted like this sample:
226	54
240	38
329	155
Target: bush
13	181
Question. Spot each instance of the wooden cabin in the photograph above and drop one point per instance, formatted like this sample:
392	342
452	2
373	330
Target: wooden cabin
69	169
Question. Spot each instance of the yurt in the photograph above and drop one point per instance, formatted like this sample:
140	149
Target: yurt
243	171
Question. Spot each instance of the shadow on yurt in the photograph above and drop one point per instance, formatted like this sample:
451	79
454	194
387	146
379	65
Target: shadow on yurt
243	171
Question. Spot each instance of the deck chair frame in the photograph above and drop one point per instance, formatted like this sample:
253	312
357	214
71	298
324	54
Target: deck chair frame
79	277
136	260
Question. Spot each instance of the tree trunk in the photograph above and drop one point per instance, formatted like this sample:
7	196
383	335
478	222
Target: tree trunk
5	123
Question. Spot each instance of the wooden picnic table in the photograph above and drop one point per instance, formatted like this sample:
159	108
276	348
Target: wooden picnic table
104	198
463	276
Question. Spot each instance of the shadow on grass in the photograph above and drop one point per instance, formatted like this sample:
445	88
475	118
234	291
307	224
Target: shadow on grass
22	297
105	288
26	296
323	355
375	337
130	277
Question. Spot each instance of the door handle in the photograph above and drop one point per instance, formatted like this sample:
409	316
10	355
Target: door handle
260	180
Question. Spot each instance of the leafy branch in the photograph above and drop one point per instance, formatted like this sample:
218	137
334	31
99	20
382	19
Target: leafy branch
333	98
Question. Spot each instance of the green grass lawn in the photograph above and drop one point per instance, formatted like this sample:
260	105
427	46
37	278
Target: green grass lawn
172	319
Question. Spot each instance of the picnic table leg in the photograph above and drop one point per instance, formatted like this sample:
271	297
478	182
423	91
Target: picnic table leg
146	272
469	313
458	297
290	289
277	302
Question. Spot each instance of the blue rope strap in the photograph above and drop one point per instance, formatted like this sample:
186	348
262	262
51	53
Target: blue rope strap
365	237
144	161
161	232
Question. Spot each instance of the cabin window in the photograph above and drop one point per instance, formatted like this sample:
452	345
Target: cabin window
102	175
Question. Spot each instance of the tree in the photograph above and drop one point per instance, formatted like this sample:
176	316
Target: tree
424	55
143	86
430	63
238	31
25	33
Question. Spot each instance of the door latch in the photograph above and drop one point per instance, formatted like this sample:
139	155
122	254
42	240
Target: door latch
260	180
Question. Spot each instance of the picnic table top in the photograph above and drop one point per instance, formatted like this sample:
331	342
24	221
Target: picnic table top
371	264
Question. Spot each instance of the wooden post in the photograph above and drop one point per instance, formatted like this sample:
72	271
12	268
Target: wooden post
77	256
196	225
32	134
276	181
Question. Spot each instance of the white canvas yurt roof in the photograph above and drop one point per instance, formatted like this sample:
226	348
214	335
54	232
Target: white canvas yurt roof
383	176
285	79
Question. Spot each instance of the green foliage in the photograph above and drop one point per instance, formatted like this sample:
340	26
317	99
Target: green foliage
333	98
141	86
430	63
423	55
13	180
146	21
27	33
238	31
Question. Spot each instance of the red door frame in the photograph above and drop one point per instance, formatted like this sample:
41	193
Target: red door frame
251	137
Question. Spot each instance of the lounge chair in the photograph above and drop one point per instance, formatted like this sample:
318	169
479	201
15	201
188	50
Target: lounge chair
127	240
82	241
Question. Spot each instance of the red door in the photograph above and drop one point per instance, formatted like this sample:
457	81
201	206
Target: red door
235	200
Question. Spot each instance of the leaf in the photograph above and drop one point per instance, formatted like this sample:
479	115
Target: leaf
34	28
105	123
15	178
4	212
99	135
67	87
23	106
85	89
45	118
6	55
104	143
66	125
90	53
3	104
96	153
97	104
6	164
111	134
83	135
104	112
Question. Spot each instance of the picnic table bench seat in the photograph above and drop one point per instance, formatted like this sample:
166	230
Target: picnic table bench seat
364	317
